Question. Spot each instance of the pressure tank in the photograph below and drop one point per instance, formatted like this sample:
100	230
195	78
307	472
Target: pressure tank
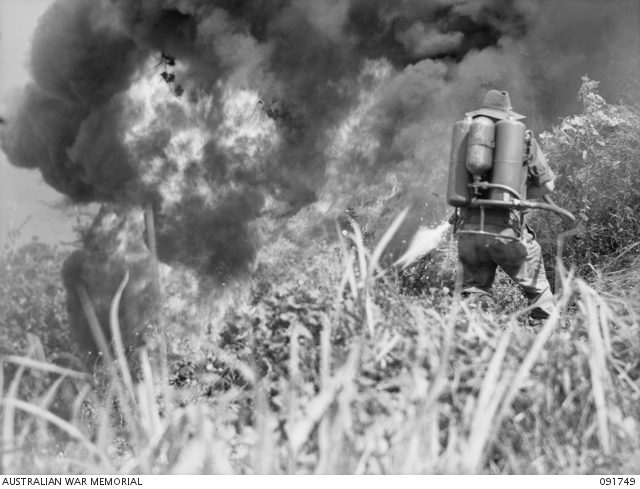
508	164
480	146
459	177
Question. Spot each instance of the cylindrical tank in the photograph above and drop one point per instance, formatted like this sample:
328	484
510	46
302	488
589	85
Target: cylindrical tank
508	158
480	146
459	177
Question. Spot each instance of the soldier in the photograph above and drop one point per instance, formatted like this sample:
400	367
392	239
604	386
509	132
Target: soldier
503	166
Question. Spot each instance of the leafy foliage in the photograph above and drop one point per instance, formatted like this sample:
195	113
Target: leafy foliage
595	157
32	299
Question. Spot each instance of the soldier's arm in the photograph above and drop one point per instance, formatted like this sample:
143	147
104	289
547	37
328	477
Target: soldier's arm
541	191
541	177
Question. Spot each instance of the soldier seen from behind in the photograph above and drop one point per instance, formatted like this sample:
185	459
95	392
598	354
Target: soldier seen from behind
496	167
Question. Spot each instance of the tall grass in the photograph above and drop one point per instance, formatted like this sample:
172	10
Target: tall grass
371	382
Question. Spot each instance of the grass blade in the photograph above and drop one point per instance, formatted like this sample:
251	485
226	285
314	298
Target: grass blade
299	433
493	387
94	324
597	363
65	426
118	344
384	242
45	367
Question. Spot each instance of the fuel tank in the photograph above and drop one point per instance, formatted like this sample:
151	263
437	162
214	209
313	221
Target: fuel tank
480	146
459	177
508	159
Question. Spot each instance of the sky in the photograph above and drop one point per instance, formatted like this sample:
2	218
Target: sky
24	197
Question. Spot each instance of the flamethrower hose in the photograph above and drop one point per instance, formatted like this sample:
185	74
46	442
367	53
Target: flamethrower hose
523	204
568	214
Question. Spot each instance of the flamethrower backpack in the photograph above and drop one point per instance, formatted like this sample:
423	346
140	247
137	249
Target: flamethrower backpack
488	169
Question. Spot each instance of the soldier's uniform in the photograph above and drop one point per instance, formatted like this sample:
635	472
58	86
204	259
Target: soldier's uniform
521	259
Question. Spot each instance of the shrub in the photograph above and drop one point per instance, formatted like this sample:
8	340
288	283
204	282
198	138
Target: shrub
594	155
32	299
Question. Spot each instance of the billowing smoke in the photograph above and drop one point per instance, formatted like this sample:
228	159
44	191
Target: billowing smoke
232	117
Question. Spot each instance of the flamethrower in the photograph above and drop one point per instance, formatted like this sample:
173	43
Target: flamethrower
486	168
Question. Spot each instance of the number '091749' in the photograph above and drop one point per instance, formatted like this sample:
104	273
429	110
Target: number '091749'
617	481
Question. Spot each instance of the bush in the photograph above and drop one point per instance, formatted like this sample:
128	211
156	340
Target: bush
594	155
32	300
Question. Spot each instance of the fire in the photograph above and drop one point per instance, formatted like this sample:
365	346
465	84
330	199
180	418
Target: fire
178	130
425	240
244	129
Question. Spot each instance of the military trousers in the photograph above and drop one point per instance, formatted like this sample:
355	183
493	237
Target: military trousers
521	259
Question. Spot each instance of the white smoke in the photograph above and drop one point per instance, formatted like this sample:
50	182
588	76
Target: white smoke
425	240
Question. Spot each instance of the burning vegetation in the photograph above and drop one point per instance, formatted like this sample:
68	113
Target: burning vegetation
223	141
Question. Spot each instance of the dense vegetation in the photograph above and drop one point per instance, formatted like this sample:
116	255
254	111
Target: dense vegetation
337	367
595	156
